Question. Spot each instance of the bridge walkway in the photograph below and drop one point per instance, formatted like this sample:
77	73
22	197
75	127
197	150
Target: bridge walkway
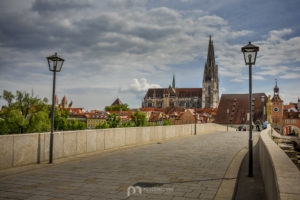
183	168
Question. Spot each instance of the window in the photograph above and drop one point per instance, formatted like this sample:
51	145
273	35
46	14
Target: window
293	121
287	121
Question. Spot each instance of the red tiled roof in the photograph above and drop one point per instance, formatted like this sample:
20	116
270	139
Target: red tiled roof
189	92
155	116
102	115
291	105
151	109
171	110
76	110
238	106
122	113
180	92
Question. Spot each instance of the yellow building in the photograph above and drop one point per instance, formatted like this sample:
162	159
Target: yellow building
93	119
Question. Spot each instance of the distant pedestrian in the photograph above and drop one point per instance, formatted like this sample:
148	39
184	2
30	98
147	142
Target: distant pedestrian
257	127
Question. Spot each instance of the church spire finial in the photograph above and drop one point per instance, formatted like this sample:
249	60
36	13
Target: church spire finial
276	89
173	82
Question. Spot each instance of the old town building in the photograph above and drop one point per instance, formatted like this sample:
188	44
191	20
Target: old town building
206	97
234	109
94	119
291	123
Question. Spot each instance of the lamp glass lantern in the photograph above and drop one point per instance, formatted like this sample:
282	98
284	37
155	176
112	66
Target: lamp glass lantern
55	63
250	52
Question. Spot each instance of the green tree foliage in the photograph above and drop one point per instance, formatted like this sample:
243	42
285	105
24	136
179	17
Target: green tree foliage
75	125
127	124
122	107
102	125
24	113
7	96
113	120
167	122
61	120
139	118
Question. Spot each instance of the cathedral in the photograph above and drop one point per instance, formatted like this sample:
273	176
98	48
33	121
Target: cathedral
205	97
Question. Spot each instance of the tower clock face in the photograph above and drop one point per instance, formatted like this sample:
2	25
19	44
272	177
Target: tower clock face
276	109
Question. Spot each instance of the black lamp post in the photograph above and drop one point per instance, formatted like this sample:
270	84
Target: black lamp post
55	64
195	114
250	52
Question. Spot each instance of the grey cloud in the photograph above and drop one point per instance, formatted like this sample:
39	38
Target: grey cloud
126	4
42	6
109	45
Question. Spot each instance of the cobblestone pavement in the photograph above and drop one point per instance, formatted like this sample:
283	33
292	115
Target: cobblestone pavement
184	168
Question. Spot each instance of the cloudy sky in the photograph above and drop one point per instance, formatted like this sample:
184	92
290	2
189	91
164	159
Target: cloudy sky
120	48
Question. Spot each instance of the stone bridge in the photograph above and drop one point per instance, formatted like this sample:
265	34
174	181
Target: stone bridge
139	163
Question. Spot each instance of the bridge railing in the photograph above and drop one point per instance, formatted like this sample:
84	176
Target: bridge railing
24	149
280	175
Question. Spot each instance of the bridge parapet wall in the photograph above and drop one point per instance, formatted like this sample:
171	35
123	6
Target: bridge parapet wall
18	150
281	177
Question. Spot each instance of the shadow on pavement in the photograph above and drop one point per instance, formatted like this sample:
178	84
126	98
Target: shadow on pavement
249	188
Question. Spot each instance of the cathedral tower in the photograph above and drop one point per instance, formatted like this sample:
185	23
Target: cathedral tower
210	84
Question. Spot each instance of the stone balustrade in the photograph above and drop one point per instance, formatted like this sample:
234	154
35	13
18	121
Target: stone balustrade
280	175
24	149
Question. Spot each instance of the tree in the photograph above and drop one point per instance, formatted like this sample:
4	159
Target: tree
139	118
61	120
113	120
7	96
167	122
24	113
103	125
127	124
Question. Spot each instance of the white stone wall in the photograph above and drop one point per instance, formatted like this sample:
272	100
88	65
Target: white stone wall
24	149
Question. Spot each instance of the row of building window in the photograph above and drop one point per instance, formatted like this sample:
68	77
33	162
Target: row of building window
182	103
293	121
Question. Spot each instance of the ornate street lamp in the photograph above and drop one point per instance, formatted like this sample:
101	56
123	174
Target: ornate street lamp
55	64
250	52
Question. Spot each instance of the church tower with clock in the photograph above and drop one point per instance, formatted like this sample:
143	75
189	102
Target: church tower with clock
277	110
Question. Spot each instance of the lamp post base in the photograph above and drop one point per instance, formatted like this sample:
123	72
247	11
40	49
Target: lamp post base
250	174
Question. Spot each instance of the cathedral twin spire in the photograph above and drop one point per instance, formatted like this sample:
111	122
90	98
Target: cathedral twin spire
210	84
